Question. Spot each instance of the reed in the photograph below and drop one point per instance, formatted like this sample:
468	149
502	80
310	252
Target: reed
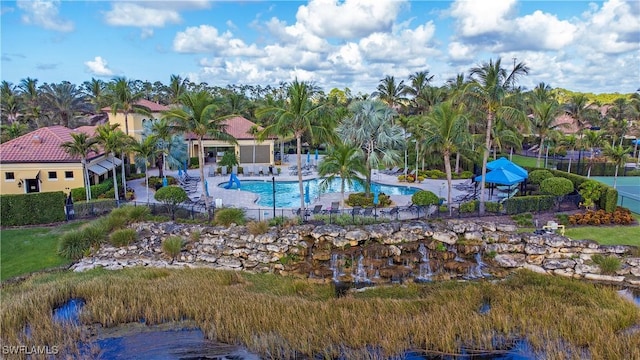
257	227
123	237
287	318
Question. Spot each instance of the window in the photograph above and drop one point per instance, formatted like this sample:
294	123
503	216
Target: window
9	176
53	175
68	174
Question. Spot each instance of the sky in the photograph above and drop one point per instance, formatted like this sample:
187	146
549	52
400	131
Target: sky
585	46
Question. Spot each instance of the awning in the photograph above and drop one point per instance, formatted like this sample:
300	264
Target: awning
98	170
28	174
107	164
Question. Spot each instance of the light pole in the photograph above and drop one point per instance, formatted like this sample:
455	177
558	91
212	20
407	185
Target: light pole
273	183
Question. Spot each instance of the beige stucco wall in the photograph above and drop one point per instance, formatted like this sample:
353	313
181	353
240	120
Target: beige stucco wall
135	122
193	148
22	171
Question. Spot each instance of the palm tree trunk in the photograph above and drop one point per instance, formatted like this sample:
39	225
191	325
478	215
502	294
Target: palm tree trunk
85	179
615	177
447	169
201	166
590	163
569	167
485	157
299	165
342	191
457	162
115	178
126	123
146	179
540	152
124	176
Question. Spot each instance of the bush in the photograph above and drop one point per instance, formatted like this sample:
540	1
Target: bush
277	221
78	194
171	197
360	199
523	220
172	246
609	201
556	186
469	206
32	209
521	204
591	191
228	216
608	265
134	176
434	174
73	245
138	213
194	162
620	216
95	233
493	207
465	175
257	227
229	159
154	180
425	198
537	176
123	237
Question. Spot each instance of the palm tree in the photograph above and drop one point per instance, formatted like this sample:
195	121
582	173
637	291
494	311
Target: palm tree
113	140
371	129
29	93
592	139
95	91
123	98
63	102
544	123
419	85
198	116
579	109
12	131
163	131
569	142
177	87
146	151
345	162
390	93
489	87
299	115
618	154
447	130
11	108
82	145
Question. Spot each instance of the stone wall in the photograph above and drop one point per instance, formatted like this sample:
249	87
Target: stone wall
380	252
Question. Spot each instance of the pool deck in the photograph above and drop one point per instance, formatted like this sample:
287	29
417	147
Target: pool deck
245	199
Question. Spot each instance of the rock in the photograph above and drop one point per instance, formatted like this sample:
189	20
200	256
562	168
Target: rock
321	255
599	277
533	249
510	260
380	231
207	258
340	242
327	230
80	267
506	227
535	268
447	237
229	262
394	251
585	269
267	238
357	235
557	241
552	264
535	259
616	249
473	236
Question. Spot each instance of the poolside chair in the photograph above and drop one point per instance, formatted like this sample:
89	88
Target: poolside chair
223	170
355	210
367	212
316	210
234	169
212	173
393	212
335	207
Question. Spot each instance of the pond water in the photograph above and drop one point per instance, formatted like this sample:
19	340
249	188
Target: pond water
288	193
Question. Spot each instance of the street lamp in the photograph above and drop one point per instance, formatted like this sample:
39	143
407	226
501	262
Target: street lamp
273	183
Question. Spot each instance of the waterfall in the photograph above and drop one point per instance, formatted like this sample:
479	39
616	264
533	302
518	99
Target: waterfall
424	273
361	273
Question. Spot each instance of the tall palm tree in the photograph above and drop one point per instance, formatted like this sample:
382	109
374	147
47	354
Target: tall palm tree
145	151
299	115
10	105
544	123
95	91
113	140
580	110
177	87
489	87
371	129
345	162
123	98
391	93
592	140
163	131
447	130
82	145
12	131
30	94
569	142
618	154
198	116
419	84
63	102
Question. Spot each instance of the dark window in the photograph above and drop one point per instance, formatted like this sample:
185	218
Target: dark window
9	176
53	175
68	174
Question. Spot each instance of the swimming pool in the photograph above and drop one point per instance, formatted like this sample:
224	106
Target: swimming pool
288	193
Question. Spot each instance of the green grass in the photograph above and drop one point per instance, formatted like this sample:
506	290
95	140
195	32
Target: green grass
26	250
606	235
524	161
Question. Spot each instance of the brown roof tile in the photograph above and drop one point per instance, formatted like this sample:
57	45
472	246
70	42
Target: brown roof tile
42	145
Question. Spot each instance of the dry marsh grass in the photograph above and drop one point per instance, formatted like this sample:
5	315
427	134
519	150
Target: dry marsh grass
286	318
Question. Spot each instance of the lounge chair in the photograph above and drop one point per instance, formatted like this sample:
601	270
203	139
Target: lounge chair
248	170
393	212
355	210
367	212
316	210
223	170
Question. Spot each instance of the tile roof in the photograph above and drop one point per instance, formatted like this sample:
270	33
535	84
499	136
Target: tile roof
153	106
42	145
237	126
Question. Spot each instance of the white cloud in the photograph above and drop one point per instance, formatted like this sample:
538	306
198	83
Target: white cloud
477	18
133	14
614	28
348	19
207	39
45	14
543	31
459	51
98	67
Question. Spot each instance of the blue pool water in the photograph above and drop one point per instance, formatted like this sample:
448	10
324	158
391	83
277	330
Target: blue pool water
288	193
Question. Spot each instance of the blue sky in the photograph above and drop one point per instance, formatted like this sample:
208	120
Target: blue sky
589	46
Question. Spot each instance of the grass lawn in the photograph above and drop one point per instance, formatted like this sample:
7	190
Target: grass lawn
606	235
26	250
524	161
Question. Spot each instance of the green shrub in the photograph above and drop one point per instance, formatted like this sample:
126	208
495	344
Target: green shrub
78	194
609	201
425	198
229	159
591	191
95	232
228	216
434	174
493	207
154	180
563	219
521	204
171	197
443	209
115	221
277	221
523	220
537	176
73	245
257	227
32	208
465	175
123	237
360	199
608	265
469	206
194	162
172	246
134	176
556	186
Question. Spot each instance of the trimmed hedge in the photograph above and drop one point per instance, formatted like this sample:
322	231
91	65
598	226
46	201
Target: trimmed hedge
556	186
609	201
32	209
360	199
523	204
78	194
538	176
425	198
